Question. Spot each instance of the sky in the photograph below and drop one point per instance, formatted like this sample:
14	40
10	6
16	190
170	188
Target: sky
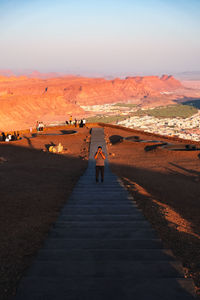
100	37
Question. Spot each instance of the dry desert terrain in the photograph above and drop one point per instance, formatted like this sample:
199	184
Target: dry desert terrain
35	184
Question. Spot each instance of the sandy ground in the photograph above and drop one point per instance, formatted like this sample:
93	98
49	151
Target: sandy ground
166	186
34	185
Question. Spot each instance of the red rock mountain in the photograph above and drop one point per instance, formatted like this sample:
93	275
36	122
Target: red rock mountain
23	100
98	91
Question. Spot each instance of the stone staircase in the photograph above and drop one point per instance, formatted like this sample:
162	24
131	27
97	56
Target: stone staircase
102	248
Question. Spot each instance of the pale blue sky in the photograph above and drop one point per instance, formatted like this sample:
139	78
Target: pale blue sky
108	37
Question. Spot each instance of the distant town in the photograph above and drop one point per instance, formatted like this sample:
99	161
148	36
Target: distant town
126	115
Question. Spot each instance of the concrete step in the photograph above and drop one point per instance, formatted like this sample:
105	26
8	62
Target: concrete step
98	197
101	218
100	186
101	193
92	173
111	269
98	205
100	189
101	202
125	244
105	185
106	288
66	256
90	179
100	208
90	210
100	233
95	224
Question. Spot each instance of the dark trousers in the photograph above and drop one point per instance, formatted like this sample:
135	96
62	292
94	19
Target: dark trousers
99	169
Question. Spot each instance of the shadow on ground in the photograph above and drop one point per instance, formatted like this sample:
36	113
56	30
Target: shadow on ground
34	187
171	204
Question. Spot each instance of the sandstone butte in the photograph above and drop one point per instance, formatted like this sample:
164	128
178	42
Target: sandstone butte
25	100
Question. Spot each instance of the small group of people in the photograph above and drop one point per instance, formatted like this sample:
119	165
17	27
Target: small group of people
10	137
81	123
39	126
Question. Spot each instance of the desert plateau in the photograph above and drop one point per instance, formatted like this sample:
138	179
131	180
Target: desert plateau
35	184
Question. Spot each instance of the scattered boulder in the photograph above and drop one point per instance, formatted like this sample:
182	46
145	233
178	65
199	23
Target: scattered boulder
56	149
52	149
153	147
190	147
59	148
68	131
114	139
2	159
133	138
112	154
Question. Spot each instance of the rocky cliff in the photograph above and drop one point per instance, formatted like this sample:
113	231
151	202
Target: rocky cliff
24	100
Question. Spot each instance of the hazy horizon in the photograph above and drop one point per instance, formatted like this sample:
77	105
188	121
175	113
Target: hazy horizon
53	73
100	38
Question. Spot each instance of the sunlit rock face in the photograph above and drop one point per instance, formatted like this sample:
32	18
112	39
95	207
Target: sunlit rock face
26	100
99	91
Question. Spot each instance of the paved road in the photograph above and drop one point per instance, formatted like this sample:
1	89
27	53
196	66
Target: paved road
102	248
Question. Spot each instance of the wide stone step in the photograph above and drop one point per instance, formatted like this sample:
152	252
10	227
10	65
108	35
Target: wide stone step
108	184
97	204
98	197
101	218
95	233
110	224
101	188
94	202
101	191
126	244
105	186
66	256
106	289
103	269
88	210
90	179
100	207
